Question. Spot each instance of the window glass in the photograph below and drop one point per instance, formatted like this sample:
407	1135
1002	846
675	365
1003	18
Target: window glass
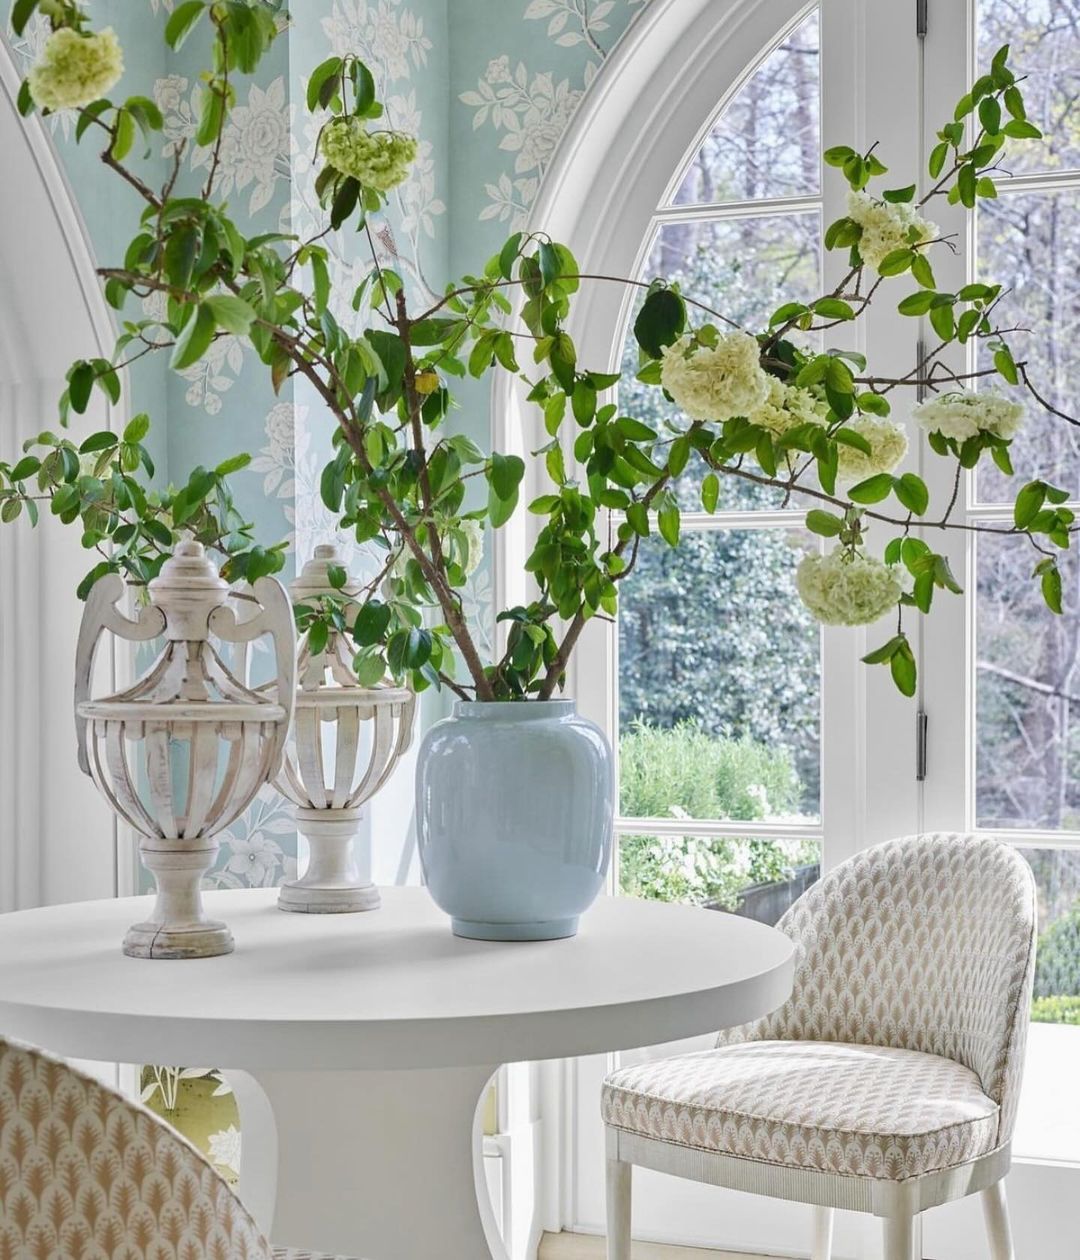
766	142
719	680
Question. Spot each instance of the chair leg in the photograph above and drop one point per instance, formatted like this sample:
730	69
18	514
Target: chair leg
899	1237
618	1209
823	1227
996	1215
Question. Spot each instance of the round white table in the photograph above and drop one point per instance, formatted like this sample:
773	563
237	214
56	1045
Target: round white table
361	1045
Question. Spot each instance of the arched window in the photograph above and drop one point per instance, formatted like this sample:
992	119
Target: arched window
754	748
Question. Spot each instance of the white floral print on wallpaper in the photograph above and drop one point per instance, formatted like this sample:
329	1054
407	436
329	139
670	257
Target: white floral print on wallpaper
529	109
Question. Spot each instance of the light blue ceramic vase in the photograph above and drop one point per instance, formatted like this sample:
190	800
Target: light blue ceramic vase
514	812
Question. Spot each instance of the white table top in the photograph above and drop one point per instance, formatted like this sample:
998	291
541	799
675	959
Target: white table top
386	989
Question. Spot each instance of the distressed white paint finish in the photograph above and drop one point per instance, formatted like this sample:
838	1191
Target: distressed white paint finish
230	738
48	281
374	1036
348	741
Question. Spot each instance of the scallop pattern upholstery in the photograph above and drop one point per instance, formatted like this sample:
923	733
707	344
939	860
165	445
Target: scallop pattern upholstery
87	1175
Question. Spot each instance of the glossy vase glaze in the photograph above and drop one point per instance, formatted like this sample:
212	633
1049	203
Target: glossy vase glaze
514	812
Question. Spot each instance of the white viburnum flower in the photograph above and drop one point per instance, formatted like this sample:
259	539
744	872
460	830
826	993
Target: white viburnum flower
786	406
75	69
888	446
847	587
376	159
474	537
715	382
961	415
886	226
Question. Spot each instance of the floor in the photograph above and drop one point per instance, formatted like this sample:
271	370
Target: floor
591	1247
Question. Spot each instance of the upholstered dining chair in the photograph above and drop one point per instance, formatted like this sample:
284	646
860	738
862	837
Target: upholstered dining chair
888	1083
87	1175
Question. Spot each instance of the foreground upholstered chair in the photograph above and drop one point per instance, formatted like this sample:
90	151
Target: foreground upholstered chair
87	1175
888	1083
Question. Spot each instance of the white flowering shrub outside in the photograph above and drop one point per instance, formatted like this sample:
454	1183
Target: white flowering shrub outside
759	404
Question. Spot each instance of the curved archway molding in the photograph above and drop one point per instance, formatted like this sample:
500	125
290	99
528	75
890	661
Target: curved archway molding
57	842
653	101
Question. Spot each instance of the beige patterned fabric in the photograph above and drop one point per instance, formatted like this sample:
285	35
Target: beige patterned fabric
901	1048
291	1253
860	1111
87	1175
925	943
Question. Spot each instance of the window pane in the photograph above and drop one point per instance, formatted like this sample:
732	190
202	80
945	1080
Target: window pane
758	878
765	143
1031	242
719	680
1027	693
743	268
1048	1125
1044	38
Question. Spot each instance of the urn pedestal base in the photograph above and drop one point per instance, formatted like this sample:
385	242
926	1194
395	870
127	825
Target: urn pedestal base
178	926
333	883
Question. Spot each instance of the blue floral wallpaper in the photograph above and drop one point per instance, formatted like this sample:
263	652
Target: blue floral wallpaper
488	86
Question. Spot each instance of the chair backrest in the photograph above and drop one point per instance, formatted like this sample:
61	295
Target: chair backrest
86	1174
924	943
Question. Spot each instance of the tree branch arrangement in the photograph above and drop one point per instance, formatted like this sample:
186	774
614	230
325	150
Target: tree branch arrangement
765	405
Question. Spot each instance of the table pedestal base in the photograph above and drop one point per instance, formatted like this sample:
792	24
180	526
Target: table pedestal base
379	1165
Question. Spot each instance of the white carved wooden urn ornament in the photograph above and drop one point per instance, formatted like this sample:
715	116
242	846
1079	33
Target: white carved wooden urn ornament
181	754
347	739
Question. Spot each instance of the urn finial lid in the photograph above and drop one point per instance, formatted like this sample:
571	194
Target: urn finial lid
187	590
314	578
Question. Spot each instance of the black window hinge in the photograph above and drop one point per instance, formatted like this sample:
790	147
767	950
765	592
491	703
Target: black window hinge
920	355
921	18
920	746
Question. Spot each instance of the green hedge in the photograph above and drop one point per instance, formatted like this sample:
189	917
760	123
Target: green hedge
1057	960
1056	1010
684	772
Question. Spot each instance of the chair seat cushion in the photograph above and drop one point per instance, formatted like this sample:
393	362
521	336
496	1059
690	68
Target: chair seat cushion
859	1111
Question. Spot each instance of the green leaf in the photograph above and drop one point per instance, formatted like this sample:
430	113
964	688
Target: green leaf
231	313
1006	366
872	490
505	474
1029	503
364	82
182	22
326	75
917	303
668	521
317	636
1014	103
1021	129
899	194
896	262
938	154
232	465
80	385
21	12
508	255
660	321
372	622
912	492
833	308
194	339
710	492
824	523
637	516
137	428
549	263
942	322
124	136
886	652
1051	589
922	271
337	576
902	667
990	115
838	155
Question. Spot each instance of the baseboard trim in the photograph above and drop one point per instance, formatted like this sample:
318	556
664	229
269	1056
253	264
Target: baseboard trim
565	1246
